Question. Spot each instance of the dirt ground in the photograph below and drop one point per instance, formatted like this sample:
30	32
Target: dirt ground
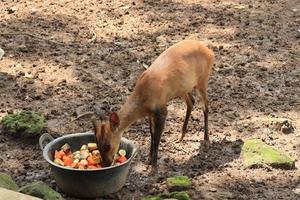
86	55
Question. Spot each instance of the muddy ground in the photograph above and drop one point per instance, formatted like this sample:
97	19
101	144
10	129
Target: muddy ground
86	55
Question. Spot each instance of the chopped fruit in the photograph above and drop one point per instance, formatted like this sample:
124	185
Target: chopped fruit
61	154
80	167
97	159
84	155
67	161
66	147
92	146
88	157
76	155
122	152
92	167
83	147
83	162
98	166
122	159
90	161
59	162
56	155
75	163
96	152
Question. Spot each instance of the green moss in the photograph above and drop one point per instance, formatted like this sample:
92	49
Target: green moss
172	195
257	153
152	198
179	181
179	195
24	122
7	182
41	190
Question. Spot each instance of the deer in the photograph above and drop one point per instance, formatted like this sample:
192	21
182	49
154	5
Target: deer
176	73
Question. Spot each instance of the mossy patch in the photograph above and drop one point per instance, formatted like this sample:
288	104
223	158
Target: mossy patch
179	195
172	195
7	182
27	122
256	153
152	198
41	190
178	183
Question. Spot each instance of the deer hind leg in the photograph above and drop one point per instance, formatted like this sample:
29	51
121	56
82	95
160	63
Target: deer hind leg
152	138
190	101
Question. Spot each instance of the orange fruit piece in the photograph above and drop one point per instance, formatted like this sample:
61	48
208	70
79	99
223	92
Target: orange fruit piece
56	155
91	161
122	159
67	161
61	153
74	165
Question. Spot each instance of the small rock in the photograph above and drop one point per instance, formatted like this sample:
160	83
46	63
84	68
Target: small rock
33	10
1	53
41	190
286	129
297	190
140	167
28	75
11	10
281	124
7	182
213	189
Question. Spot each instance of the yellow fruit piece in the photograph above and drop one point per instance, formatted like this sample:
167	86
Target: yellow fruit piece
122	152
92	146
83	147
59	162
66	147
96	152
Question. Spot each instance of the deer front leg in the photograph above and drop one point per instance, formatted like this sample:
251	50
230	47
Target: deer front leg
159	119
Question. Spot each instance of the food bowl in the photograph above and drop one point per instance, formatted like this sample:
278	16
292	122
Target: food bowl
86	183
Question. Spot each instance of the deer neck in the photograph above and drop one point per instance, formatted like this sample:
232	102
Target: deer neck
129	113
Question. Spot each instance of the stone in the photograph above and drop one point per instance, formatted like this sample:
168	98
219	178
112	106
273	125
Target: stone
283	125
178	183
256	153
297	190
1	53
7	182
213	189
41	190
12	195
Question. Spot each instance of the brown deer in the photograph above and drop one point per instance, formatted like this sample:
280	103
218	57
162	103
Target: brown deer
175	73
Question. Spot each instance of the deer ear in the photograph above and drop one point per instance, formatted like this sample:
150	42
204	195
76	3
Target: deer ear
114	121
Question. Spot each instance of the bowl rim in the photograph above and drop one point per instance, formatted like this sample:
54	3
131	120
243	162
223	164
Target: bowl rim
47	147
